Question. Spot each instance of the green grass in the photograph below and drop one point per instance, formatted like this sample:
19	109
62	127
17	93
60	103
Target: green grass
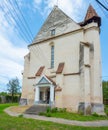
74	116
19	123
106	109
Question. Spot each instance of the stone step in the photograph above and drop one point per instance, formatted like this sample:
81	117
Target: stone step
36	109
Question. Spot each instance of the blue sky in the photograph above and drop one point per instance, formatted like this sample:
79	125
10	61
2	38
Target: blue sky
14	37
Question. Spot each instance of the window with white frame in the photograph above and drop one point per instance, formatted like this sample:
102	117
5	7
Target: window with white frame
52	56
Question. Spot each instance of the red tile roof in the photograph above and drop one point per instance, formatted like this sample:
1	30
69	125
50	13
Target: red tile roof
58	88
91	16
60	68
40	70
90	13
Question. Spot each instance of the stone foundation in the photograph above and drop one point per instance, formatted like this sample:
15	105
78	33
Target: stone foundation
90	108
23	101
98	108
84	108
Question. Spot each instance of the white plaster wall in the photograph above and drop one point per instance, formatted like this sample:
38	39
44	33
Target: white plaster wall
71	92
67	51
58	99
87	94
86	55
25	74
92	36
40	55
64	52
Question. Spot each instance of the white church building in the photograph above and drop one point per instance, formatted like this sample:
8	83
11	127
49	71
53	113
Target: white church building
63	67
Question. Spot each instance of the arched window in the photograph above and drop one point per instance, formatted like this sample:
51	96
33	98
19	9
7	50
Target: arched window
52	56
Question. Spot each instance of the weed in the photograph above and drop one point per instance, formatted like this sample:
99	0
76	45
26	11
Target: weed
95	114
20	115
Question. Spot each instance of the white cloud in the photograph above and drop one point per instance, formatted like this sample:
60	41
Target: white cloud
10	51
11	60
38	1
37	4
11	54
73	8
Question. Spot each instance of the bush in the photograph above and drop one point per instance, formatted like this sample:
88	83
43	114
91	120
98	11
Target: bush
9	98
0	100
53	110
95	114
48	109
20	116
42	114
48	114
62	110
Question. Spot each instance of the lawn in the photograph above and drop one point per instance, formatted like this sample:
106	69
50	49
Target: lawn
78	117
74	116
19	123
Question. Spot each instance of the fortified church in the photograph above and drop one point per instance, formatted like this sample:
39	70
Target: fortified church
63	66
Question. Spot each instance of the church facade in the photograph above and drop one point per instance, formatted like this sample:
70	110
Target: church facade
63	67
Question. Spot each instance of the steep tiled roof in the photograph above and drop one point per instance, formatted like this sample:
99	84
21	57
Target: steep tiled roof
90	13
60	68
91	16
40	70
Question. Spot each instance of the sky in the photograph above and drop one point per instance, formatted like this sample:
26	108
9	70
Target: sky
20	21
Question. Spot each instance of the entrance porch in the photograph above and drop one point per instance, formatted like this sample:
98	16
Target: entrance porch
44	92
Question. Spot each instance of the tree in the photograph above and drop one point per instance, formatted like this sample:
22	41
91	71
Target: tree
13	87
105	89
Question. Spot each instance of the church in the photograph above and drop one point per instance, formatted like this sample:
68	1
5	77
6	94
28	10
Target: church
63	66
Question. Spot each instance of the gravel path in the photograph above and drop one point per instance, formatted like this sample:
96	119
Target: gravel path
61	121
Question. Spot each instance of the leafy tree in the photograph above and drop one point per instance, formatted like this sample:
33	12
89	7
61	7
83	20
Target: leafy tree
105	89
13	87
3	93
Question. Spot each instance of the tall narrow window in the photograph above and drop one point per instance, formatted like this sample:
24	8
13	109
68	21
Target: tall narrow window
53	32
52	56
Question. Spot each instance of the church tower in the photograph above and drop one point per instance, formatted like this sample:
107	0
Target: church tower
91	74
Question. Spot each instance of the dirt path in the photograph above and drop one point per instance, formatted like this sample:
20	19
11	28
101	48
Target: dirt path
59	120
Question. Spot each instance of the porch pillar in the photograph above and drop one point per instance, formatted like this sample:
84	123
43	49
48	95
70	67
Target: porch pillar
37	94
51	95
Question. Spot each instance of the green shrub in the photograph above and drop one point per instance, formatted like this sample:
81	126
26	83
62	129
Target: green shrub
9	98
42	114
80	112
0	100
48	109
95	114
48	114
53	110
20	115
62	109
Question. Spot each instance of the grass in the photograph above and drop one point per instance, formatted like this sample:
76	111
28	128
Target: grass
106	109
74	116
19	123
